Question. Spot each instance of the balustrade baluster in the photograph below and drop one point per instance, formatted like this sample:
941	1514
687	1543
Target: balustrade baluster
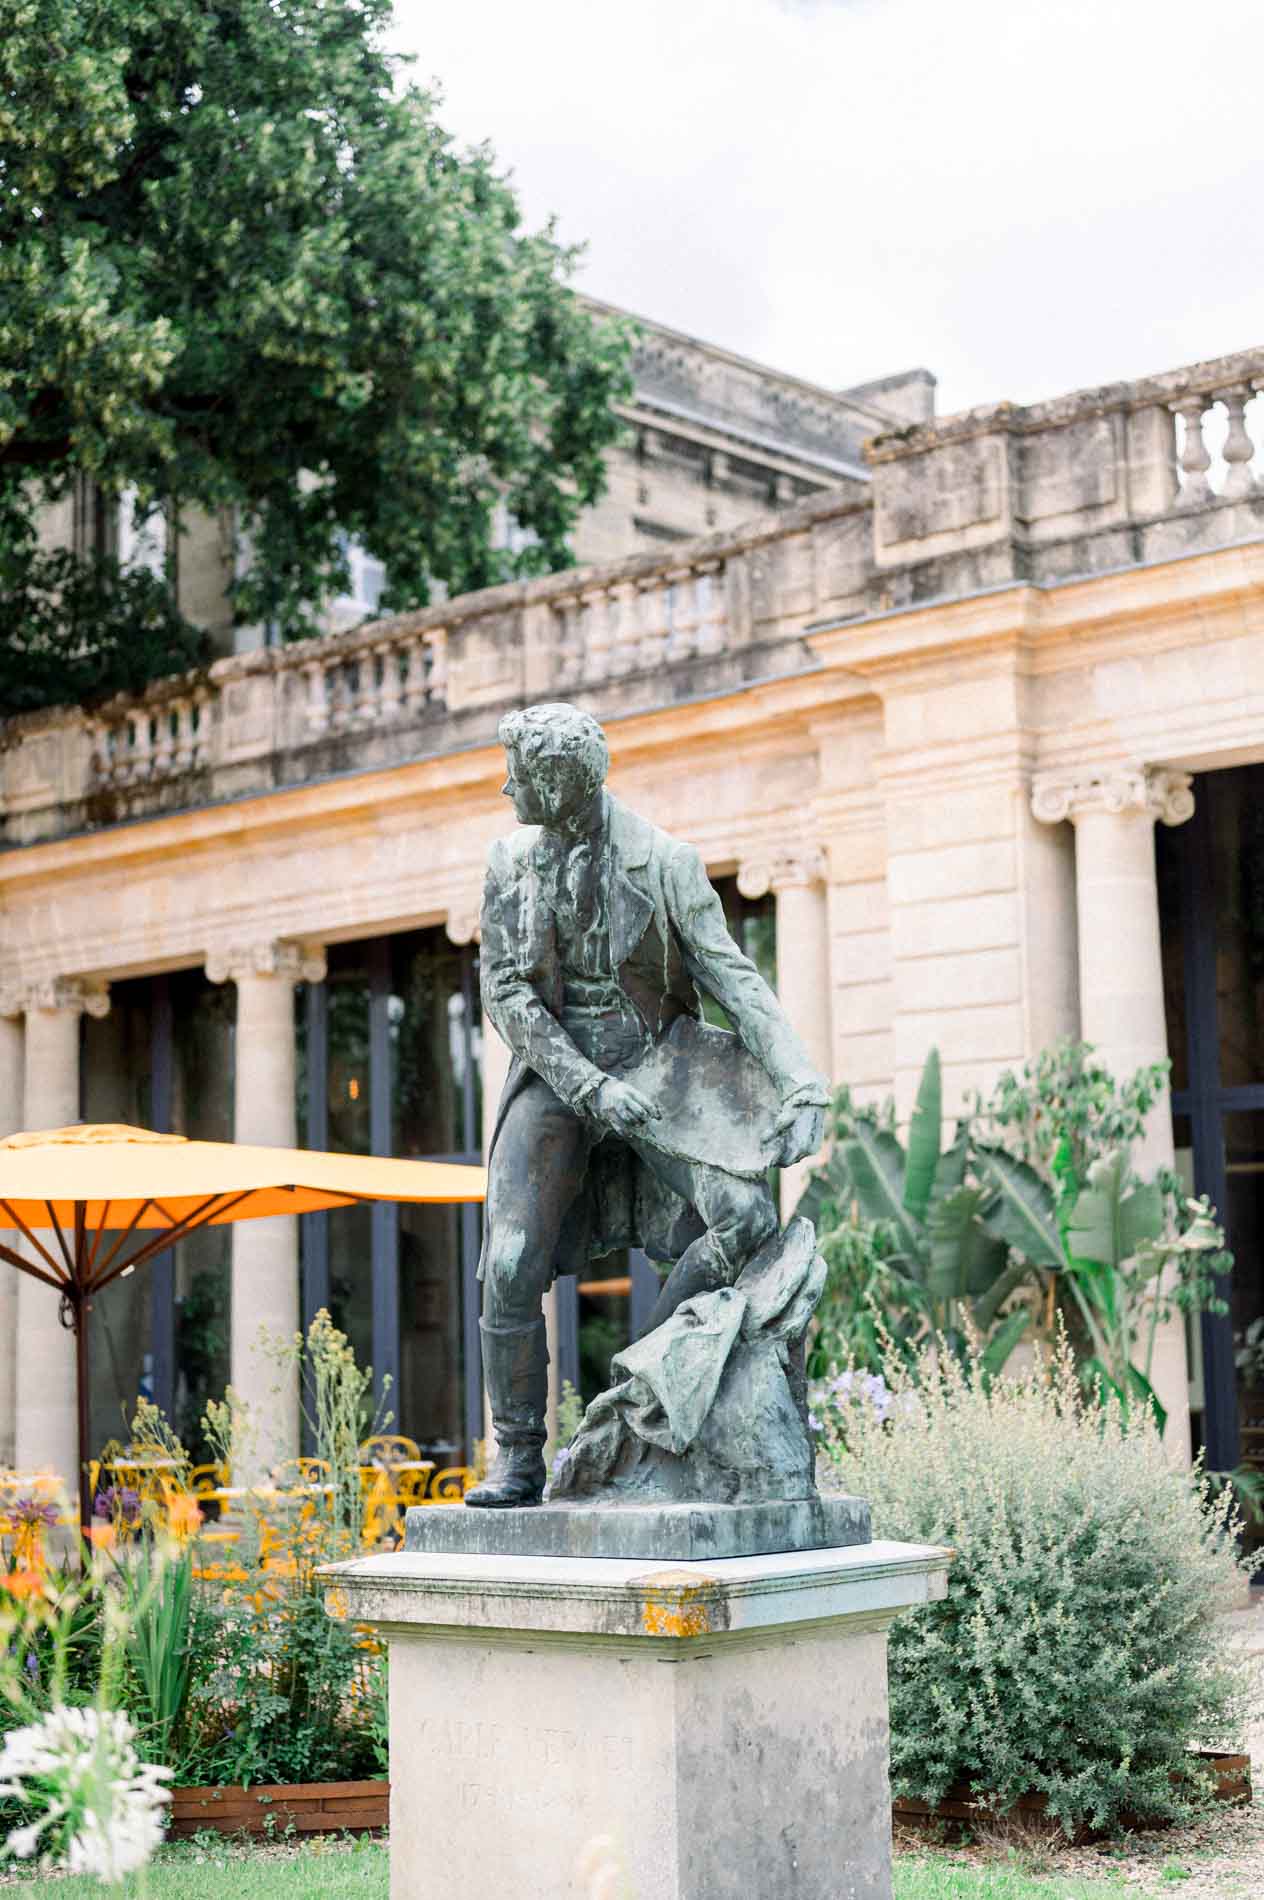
317	698
597	634
142	746
365	664
624	632
1239	448
653	604
342	687
164	739
1194	459
389	698
413	670
712	608
182	719
570	653
437	678
682	616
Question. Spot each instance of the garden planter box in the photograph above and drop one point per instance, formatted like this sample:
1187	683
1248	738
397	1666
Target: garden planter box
318	1807
960	1809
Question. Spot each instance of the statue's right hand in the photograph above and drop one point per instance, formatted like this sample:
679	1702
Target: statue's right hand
623	1108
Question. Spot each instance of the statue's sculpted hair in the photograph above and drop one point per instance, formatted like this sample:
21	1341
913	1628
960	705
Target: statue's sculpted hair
564	749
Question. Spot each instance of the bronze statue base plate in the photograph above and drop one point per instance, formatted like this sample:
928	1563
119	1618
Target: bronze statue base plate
684	1532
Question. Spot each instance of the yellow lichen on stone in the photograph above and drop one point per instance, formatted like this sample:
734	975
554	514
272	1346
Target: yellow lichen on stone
677	1604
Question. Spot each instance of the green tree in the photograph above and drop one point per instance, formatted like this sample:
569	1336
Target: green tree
242	266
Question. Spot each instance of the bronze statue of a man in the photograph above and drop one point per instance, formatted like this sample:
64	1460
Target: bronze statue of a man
624	1121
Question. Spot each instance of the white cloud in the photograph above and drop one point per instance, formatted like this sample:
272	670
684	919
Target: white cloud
1024	198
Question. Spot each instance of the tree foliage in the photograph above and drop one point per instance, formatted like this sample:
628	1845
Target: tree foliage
242	266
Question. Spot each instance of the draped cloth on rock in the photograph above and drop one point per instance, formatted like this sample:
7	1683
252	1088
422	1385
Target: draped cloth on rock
710	1405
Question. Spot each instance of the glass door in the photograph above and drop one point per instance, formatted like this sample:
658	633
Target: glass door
1211	884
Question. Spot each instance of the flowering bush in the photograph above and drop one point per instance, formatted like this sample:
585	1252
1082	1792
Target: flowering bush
1076	1653
831	1399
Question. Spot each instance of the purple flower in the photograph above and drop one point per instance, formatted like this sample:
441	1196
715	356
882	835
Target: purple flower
32	1665
129	1505
31	1511
103	1502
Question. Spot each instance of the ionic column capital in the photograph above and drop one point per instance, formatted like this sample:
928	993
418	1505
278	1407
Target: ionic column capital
781	868
57	995
1149	791
292	962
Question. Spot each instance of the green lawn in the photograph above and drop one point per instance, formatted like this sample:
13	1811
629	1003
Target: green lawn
943	1879
194	1872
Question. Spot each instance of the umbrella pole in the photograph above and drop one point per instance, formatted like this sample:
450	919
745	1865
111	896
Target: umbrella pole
80	1310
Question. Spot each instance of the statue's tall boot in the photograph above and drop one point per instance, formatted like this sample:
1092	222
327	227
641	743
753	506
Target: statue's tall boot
516	1367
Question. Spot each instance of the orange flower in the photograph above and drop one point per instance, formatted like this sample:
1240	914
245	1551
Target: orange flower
183	1516
23	1583
104	1536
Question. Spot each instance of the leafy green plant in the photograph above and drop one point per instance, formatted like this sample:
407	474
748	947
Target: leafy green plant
1066	1099
935	1263
1077	1652
157	1593
1110	1241
247	272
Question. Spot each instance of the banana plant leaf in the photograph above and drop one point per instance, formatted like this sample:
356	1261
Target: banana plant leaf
925	1129
965	1259
1023	1212
1108	1224
990	1303
1135	1386
874	1160
995	1354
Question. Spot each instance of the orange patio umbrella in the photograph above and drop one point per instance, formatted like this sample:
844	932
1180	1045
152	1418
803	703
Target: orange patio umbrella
95	1200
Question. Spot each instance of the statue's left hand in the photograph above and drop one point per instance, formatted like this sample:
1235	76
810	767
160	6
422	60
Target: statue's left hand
797	1132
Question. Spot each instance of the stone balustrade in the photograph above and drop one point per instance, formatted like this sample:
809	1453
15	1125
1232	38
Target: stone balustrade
1099	480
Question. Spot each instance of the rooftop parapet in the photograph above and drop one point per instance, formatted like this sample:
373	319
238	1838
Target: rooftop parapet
1100	480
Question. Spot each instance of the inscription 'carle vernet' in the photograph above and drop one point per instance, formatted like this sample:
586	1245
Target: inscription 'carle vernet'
628	1122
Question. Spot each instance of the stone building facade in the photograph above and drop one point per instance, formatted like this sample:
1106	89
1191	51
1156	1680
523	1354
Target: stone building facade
711	441
924	730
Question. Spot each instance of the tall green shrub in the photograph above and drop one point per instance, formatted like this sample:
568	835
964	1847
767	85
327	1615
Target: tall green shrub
1076	1653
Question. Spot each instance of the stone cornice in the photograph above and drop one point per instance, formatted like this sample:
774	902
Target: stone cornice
270	957
1134	790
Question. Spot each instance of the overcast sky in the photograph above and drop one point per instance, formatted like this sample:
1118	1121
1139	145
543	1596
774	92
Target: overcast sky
1025	196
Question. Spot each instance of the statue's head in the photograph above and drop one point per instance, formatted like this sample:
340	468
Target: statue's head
558	760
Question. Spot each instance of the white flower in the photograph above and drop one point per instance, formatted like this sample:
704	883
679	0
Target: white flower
103	1806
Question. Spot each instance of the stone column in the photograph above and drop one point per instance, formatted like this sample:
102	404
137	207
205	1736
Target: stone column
11	1093
1113	810
265	1282
46	1434
796	877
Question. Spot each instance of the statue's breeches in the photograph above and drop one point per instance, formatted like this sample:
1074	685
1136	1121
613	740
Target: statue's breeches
538	1180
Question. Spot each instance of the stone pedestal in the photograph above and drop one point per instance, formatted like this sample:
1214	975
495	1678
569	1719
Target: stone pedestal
712	1730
